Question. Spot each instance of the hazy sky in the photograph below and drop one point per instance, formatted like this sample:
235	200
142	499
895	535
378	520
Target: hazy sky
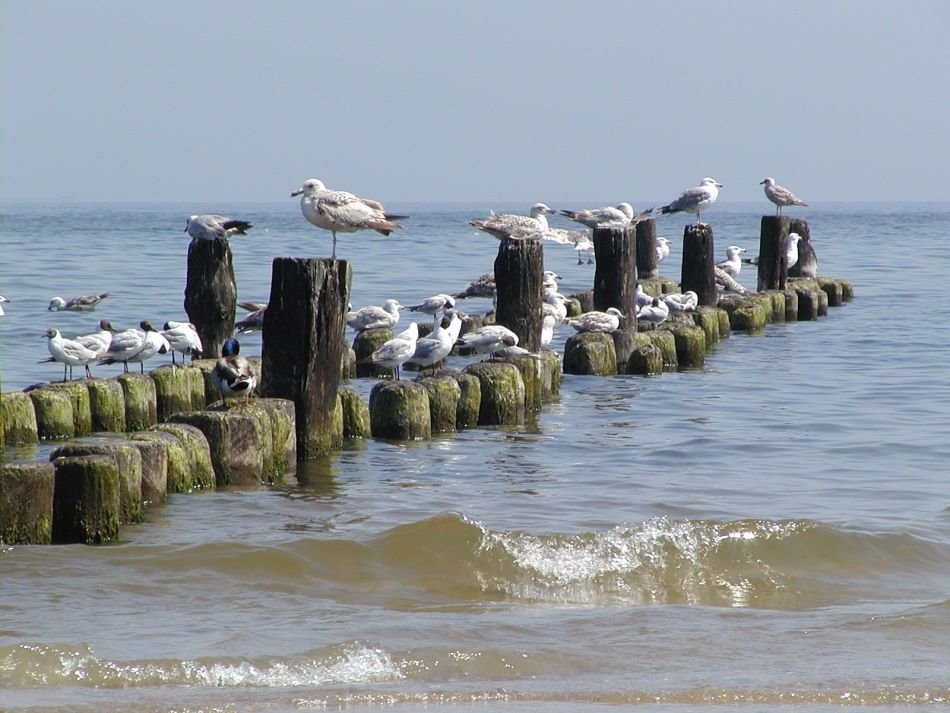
495	100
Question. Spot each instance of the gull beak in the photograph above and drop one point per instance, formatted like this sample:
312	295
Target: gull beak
297	192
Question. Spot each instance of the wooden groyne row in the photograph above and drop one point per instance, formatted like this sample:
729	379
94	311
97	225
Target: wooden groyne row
156	434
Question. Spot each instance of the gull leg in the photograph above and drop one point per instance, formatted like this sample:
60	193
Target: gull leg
88	373
333	257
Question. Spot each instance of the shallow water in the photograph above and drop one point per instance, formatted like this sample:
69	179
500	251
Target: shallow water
771	531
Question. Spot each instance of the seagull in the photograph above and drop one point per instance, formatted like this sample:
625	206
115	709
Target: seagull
620	216
681	301
254	319
182	337
232	374
133	345
483	286
778	195
431	350
83	303
214	227
489	339
641	297
548	324
373	317
693	200
396	351
521	227
549	280
791	248
807	265
433	305
662	249
654	313
99	341
2	300
733	263
553	303
594	321
343	212
580	239
69	352
727	281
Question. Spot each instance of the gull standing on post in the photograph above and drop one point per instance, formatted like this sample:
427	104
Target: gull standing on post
489	339
620	216
433	305
778	195
396	351
693	200
509	225
373	317
99	341
182	337
433	349
343	212
69	352
594	321
733	263
215	227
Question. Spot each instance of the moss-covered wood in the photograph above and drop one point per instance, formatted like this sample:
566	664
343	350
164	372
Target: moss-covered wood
154	452
518	268
665	342
744	315
707	319
200	473
281	414
399	411
470	396
106	405
777	307
177	459
79	396
128	462
26	503
211	293
54	413
590	353
690	344
19	418
502	393
141	409
697	272
532	376
584	299
551	374
239	441
86	499
645	360
364	344
444	394
355	414
177	388
834	290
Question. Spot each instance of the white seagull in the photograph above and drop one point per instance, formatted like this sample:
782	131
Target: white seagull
343	212
594	321
733	262
433	305
133	345
99	341
641	297
508	225
182	337
434	348
779	196
69	352
396	351
2	300
619	216
694	200
654	313
83	303
215	227
373	317
548	324
681	301
489	339
791	248
254	319
662	249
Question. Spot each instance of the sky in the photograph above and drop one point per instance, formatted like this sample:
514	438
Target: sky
495	100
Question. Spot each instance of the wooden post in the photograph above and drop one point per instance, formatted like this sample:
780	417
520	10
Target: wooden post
303	345
615	282
807	265
773	263
211	293
646	250
518	273
698	274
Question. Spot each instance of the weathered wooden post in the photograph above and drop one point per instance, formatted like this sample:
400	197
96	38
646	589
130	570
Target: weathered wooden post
615	282
646	250
211	293
699	261
773	262
518	273
807	265
303	345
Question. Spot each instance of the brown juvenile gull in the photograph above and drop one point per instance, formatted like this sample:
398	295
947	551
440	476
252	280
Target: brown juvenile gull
343	212
508	225
778	195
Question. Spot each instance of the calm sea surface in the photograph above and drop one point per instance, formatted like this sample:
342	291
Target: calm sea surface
770	532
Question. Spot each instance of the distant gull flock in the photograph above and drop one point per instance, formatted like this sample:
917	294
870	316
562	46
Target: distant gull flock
340	211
